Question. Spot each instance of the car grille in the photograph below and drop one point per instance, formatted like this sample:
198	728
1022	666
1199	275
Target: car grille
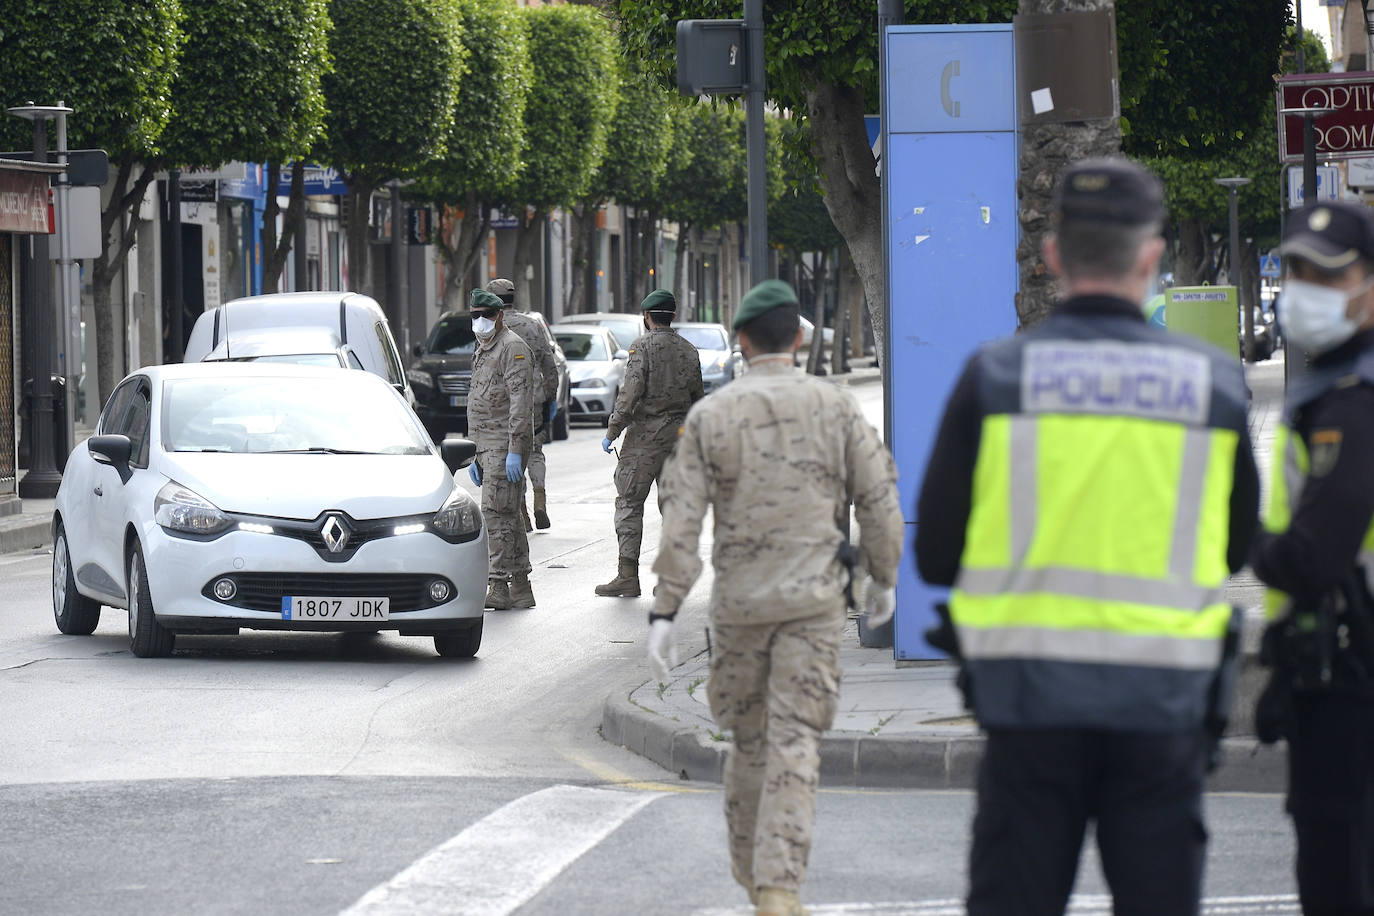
455	382
264	591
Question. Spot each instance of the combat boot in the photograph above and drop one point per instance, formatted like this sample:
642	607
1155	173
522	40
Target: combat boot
525	516
541	507
774	901
625	584
521	592
498	594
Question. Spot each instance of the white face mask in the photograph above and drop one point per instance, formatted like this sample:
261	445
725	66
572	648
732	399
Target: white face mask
484	327
1313	316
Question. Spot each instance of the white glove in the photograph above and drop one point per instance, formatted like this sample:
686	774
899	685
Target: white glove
662	649
879	603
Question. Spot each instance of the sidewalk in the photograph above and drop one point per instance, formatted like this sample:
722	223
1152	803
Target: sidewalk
905	726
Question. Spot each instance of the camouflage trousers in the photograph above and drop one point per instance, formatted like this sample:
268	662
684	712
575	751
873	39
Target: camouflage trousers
508	547
640	465
776	687
538	467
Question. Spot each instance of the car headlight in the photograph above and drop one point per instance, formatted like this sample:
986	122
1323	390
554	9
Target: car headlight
186	512
420	377
459	518
590	383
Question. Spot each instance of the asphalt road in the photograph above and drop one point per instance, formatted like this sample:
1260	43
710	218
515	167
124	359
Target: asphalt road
308	773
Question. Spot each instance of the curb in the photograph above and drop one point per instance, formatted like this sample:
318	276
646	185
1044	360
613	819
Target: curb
27	535
885	761
850	379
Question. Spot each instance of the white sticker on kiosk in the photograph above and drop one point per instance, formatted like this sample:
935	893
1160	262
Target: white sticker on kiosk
1041	101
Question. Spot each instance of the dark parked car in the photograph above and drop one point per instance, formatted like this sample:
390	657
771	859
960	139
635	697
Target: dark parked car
442	374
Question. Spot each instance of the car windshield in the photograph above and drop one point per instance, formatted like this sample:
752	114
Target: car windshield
626	330
705	338
452	335
330	360
343	412
582	346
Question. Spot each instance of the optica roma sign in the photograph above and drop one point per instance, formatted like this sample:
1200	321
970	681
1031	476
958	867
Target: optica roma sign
1346	132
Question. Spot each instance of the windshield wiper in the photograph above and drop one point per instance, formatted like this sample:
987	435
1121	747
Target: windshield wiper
316	450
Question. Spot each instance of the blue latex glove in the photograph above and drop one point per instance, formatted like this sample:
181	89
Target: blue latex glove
553	410
606	446
475	472
515	467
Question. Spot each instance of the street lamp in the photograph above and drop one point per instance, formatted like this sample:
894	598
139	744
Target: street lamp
1233	185
43	478
1309	146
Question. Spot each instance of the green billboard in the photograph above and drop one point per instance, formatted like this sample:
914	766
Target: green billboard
1210	313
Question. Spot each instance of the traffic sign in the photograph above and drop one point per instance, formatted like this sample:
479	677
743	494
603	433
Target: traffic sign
1328	181
87	168
1269	265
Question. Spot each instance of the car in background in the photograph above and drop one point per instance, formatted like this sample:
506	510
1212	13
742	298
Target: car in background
808	329
720	362
596	366
441	376
215	497
296	346
625	326
358	322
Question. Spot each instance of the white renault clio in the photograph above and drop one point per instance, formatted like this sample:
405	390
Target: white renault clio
219	496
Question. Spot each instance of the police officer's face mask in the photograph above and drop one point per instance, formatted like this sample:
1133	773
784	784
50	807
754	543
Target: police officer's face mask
483	326
1314	316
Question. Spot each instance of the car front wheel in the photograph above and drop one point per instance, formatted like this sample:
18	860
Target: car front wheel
463	644
147	637
76	614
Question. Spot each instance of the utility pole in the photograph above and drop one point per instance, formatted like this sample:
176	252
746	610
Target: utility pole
754	137
177	333
393	285
1233	186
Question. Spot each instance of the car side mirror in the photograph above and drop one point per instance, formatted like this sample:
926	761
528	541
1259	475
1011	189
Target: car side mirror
622	354
114	451
418	349
457	453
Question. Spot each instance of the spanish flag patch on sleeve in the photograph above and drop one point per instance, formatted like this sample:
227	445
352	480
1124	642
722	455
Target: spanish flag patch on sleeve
519	356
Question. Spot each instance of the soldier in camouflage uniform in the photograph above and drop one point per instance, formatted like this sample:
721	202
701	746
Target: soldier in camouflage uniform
662	382
500	419
546	393
779	456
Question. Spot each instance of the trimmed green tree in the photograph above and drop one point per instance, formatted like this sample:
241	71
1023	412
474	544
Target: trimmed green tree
572	101
249	89
485	142
113	64
390	98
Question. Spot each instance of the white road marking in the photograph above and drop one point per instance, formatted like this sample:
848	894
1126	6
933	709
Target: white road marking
505	859
1079	905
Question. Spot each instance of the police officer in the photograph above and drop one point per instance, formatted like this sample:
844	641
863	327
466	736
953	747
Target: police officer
546	392
1320	536
1090	490
500	421
779	456
662	380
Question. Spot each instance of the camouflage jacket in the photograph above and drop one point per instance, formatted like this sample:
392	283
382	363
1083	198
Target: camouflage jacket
500	410
779	456
545	368
662	382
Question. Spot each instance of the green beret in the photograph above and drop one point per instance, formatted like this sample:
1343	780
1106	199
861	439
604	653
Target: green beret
659	300
766	296
481	299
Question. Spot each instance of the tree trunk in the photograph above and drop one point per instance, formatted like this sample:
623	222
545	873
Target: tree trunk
852	193
525	238
814	364
117	219
647	277
581	296
1045	150
680	286
846	284
276	249
460	244
359	210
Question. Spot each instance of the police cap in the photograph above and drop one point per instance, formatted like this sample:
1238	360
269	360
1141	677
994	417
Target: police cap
768	295
503	288
1108	191
1331	235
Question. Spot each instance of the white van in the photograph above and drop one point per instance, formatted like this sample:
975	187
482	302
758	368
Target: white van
351	328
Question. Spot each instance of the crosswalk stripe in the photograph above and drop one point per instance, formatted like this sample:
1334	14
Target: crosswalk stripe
505	859
1079	905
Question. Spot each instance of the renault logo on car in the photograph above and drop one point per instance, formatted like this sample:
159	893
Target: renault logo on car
335	534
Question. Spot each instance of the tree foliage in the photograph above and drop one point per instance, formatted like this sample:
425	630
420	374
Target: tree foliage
112	63
705	184
248	87
397	68
637	148
797	218
1196	77
571	104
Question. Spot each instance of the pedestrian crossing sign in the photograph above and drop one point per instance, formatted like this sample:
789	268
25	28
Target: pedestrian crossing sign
1269	265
